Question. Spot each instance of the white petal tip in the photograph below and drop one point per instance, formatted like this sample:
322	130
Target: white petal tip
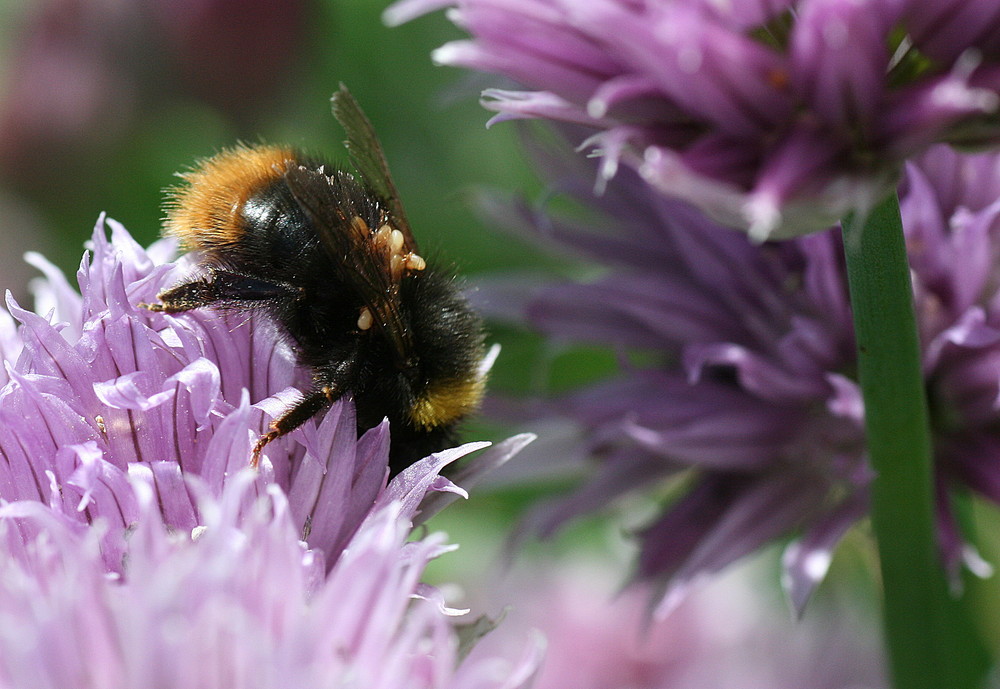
490	358
597	108
450	53
763	216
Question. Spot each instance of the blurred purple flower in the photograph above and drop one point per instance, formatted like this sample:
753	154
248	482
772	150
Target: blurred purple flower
67	85
80	75
779	117
132	527
729	635
235	55
744	381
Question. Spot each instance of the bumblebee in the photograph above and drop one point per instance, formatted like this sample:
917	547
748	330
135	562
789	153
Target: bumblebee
327	253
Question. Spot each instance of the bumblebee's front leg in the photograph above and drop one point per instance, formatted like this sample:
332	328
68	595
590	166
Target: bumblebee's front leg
304	409
220	287
329	385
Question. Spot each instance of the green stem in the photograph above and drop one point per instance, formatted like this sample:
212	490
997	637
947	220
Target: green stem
930	641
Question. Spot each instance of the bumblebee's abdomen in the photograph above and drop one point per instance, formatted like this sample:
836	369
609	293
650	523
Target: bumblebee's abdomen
449	341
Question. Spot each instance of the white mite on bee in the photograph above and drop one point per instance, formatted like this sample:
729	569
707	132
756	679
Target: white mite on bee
395	241
365	320
415	262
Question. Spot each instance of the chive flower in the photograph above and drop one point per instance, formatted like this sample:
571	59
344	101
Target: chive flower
738	375
776	117
139	548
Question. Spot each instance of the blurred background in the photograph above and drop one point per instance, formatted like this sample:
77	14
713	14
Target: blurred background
102	101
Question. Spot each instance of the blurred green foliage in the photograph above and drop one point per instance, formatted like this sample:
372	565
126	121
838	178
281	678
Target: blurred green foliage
432	128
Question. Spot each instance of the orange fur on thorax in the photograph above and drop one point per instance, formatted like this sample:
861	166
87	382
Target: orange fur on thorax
204	212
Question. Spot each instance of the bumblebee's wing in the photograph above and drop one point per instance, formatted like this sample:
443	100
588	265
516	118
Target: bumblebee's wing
369	159
334	210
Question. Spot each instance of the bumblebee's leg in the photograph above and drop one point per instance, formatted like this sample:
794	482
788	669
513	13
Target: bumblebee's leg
219	287
329	385
304	409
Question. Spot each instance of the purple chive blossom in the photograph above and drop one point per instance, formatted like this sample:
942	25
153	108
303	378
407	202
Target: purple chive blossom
132	527
778	117
745	385
98	388
237	602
